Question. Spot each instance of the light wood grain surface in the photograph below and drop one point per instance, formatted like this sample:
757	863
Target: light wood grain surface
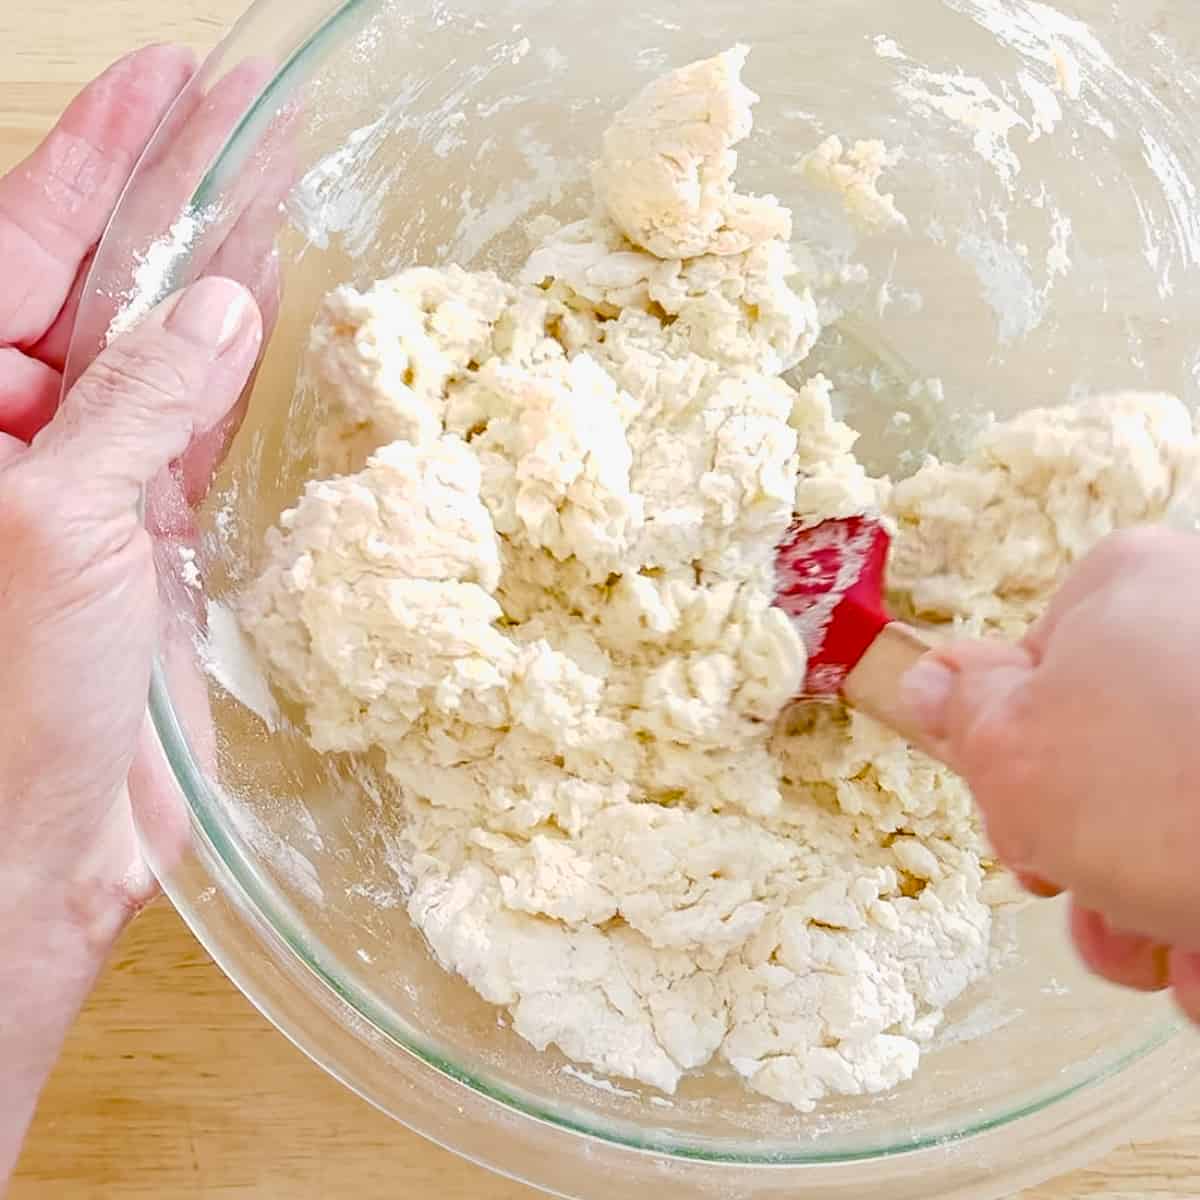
172	1086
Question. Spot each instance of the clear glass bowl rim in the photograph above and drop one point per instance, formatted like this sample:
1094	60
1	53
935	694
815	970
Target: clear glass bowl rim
219	859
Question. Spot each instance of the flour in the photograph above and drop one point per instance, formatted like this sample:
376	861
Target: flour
155	271
536	578
229	659
966	101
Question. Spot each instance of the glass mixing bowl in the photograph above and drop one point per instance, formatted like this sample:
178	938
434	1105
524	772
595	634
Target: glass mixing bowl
1053	249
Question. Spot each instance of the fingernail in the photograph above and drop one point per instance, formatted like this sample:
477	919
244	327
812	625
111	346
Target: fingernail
926	691
1162	967
214	313
1038	887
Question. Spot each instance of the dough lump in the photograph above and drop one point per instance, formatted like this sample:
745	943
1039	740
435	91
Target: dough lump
985	542
854	172
665	174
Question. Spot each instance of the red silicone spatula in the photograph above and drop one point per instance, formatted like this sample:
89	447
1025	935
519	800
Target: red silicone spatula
830	582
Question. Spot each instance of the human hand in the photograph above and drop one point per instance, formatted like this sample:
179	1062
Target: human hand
78	600
1082	749
77	595
79	604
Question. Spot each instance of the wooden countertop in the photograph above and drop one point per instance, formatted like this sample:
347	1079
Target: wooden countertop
172	1086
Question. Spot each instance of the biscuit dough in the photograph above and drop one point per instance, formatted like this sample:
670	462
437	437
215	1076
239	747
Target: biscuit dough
536	575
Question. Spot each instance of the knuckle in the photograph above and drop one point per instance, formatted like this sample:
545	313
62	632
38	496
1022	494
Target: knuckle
1017	815
1131	548
26	513
51	535
1088	937
1101	872
988	744
1013	841
993	745
1129	961
145	379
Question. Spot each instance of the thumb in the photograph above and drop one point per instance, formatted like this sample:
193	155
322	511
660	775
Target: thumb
139	405
963	696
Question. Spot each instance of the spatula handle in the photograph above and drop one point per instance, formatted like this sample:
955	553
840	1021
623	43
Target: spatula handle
873	686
